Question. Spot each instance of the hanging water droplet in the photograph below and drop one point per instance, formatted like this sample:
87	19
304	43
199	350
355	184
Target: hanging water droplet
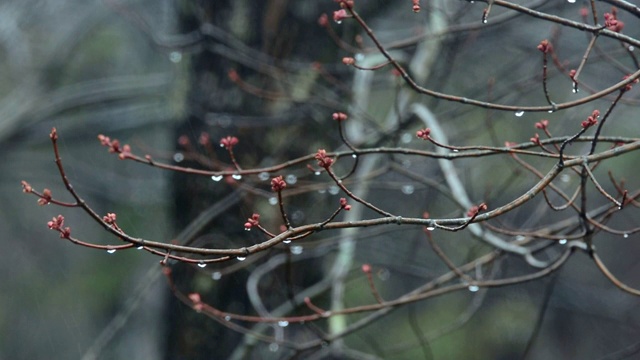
316	173
216	275
571	1
202	265
296	249
550	111
520	237
178	157
111	251
227	318
406	138
474	288
574	88
631	48
216	178
140	247
236	176
408	189
273	347
175	56
354	156
455	150
484	21
431	228
241	258
286	241
626	236
519	113
263	176
283	323
273	200
562	241
247	229
334	190
291	179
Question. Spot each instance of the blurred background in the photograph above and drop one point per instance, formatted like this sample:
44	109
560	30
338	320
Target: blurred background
149	72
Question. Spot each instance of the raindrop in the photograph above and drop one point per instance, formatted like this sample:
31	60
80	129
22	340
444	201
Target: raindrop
519	113
111	251
291	179
355	156
140	247
408	189
571	1
227	318
456	150
316	173
474	288
241	258
334	190
626	236
216	178
297	250
484	21
431	228
273	201
398	220
175	56
562	241
286	241
178	157
202	265
283	323
550	111
574	88
236	176
247	229
631	48
217	275
263	176
338	22
406	138
273	347
520	237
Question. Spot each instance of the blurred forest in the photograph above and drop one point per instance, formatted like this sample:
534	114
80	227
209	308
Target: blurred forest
171	78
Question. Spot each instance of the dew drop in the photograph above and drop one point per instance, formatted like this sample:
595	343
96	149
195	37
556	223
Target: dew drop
474	288
241	258
247	229
283	323
202	265
175	57
291	179
631	48
286	241
520	238
227	318
571	1
408	189
562	242
236	176
334	190
296	250
263	176
140	247
216	178
217	275
316	173
273	347
355	156
431	228
484	21
626	236
178	157
111	251
273	201
338	22
406	138
519	113
550	111
455	150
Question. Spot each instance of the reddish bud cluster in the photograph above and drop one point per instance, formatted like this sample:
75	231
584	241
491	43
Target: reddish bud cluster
572	74
612	23
46	197
545	46
423	134
591	120
629	85
204	139
57	223
323	20
278	184
26	187
113	145
339	116
476	209
340	15
183	141
344	205
254	220
110	218
366	268
197	301
324	161
542	124
535	139
348	61
416	6
228	142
